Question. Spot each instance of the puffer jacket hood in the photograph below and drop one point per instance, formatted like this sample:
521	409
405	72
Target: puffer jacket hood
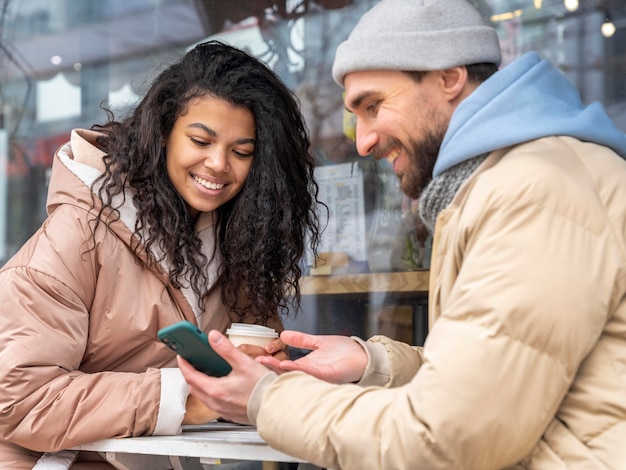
82	156
524	101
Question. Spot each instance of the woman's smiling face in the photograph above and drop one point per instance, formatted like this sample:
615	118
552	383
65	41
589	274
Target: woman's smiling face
209	152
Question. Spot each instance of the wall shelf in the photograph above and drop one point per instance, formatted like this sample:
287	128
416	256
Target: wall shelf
409	282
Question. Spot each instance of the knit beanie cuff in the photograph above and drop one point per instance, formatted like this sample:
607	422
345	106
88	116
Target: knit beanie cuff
417	35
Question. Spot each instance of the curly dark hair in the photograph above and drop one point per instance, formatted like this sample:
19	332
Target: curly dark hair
262	232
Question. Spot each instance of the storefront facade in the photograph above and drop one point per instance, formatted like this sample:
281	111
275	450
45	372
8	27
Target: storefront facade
62	59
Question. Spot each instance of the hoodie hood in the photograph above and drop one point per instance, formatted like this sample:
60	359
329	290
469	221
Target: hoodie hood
527	100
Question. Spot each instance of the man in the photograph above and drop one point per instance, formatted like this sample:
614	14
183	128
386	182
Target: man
525	361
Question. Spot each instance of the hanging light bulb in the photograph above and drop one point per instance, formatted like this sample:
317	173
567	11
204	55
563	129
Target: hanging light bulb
608	27
571	5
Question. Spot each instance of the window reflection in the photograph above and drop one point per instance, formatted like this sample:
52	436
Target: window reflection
60	59
57	99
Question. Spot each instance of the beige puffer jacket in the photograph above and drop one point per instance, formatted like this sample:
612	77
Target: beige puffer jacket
525	362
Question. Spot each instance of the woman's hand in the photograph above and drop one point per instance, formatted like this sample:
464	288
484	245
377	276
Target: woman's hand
197	412
275	348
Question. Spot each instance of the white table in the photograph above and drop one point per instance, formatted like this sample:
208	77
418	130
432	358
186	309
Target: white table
211	443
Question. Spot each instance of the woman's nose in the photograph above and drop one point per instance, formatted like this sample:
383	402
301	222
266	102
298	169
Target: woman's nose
216	159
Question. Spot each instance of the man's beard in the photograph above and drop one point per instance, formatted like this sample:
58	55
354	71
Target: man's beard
422	157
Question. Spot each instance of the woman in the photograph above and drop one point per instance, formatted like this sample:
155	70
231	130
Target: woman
197	207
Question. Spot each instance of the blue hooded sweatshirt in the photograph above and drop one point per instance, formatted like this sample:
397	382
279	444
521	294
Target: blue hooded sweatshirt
524	101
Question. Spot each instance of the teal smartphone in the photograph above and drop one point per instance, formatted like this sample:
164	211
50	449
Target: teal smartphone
191	343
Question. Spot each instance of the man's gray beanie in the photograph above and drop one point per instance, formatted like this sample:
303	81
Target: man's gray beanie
417	35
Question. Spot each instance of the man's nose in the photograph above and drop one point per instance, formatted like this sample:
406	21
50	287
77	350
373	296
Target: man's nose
366	139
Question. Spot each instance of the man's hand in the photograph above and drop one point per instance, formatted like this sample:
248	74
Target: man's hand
335	359
228	395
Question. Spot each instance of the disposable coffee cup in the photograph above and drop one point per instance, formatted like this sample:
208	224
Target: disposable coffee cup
244	333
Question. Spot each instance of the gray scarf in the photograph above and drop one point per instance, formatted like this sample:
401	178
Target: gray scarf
440	191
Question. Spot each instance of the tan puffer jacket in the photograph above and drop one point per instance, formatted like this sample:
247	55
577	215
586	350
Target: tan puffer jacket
525	362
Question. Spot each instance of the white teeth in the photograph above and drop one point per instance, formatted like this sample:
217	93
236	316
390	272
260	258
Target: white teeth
208	184
392	156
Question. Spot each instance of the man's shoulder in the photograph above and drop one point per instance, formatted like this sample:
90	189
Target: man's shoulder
537	162
553	173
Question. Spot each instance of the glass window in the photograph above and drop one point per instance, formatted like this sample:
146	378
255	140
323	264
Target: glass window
60	59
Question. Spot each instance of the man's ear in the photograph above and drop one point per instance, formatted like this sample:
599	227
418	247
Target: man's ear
453	82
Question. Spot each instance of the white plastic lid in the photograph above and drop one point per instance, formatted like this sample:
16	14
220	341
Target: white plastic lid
251	330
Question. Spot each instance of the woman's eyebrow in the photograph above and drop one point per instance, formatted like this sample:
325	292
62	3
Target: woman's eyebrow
206	129
211	132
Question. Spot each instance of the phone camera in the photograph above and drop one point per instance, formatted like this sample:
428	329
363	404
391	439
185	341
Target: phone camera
171	344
